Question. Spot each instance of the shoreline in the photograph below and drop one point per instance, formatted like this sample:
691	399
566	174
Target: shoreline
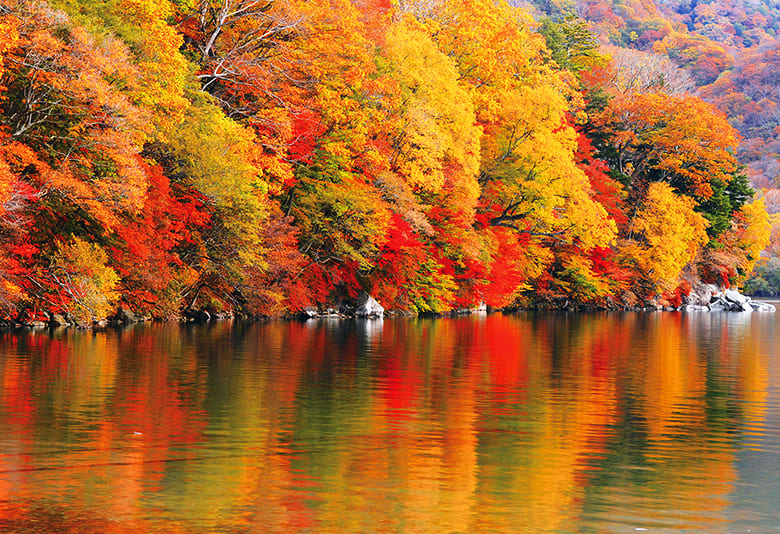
203	317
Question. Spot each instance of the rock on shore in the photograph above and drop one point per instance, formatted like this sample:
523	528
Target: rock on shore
708	297
368	307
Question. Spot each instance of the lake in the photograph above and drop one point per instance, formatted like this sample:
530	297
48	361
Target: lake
529	422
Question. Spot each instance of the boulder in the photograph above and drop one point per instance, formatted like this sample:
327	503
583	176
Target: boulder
701	294
734	296
717	305
123	315
56	320
368	307
197	316
763	307
733	300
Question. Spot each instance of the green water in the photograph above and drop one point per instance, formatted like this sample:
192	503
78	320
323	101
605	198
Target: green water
619	422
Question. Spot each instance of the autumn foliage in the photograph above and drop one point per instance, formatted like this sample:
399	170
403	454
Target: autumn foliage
260	157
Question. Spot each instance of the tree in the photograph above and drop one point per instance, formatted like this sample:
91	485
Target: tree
665	236
529	178
69	155
408	276
436	140
84	285
147	249
572	45
340	216
215	157
530	182
81	136
636	71
733	255
152	72
706	59
247	59
234	40
680	140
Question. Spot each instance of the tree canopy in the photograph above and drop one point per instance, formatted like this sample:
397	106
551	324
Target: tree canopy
260	157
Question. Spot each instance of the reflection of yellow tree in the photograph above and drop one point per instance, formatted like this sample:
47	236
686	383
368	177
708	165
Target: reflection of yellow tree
688	452
748	351
567	423
442	463
673	380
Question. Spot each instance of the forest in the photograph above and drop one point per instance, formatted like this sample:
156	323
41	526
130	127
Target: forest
258	157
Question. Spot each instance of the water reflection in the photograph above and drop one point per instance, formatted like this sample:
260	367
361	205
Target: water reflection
518	423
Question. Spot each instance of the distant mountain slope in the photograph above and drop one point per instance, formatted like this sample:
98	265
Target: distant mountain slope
730	48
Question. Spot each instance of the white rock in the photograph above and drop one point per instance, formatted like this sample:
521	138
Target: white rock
735	296
763	307
717	306
369	307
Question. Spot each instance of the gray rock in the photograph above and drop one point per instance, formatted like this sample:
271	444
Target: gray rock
733	300
368	307
123	315
57	320
717	305
763	307
735	296
701	294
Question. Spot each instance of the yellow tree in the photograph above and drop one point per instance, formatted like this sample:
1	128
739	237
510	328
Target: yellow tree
217	157
665	236
436	139
156	80
753	230
529	175
530	181
84	283
736	251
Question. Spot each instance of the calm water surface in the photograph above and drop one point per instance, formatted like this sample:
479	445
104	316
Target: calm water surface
620	422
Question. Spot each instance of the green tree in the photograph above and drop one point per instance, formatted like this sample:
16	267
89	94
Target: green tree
571	43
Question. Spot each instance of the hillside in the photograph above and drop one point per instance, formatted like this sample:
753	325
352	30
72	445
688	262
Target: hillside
261	157
730	49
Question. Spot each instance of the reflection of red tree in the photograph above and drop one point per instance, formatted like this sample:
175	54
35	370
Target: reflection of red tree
400	374
507	346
